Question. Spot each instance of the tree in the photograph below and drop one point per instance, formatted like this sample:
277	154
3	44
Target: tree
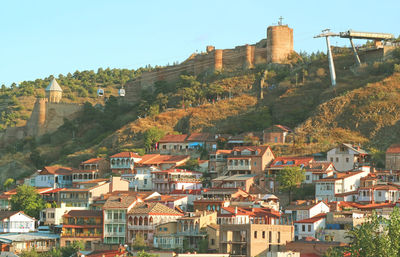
152	136
139	243
192	164
27	200
377	237
289	178
144	254
8	183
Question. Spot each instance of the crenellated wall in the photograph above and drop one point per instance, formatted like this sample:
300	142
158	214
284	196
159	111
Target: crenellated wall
274	49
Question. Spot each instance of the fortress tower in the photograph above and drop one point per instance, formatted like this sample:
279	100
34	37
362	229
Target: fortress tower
53	92
279	43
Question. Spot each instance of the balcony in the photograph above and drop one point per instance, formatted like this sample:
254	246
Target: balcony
110	221
141	227
190	233
239	167
81	235
116	234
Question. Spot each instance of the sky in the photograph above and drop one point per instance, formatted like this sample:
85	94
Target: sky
42	38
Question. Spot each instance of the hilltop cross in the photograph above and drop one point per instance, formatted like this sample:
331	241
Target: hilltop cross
280	20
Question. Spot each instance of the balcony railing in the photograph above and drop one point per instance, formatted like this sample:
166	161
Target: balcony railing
108	221
239	167
80	235
141	227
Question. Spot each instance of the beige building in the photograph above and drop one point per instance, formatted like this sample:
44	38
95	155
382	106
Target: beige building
212	231
393	157
253	239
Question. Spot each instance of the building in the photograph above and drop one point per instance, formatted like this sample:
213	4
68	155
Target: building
143	218
16	222
346	157
277	134
53	92
197	141
212	231
124	162
338	224
302	209
84	175
242	181
281	163
253	239
173	143
192	226
378	194
329	188
87	192
318	170
165	236
217	163
100	164
161	162
311	227
82	225
393	157
115	211
21	242
166	181
241	215
54	216
54	176
249	160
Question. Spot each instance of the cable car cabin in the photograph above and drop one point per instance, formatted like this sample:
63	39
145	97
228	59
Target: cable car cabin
121	92
100	92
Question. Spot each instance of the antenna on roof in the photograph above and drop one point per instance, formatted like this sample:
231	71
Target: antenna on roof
280	21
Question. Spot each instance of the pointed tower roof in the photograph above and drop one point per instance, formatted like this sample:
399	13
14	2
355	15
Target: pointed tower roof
54	86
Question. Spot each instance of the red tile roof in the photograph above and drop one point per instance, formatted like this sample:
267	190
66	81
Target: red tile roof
92	161
260	149
84	213
313	219
395	148
281	162
59	170
126	155
173	138
340	175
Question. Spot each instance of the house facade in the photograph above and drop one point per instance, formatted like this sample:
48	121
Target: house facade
277	134
16	222
124	162
347	157
393	157
166	181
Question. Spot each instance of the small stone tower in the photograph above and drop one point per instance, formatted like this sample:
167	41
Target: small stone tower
279	43
53	92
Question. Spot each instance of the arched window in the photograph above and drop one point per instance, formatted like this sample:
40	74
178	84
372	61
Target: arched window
130	220
118	161
123	162
140	221
135	221
113	161
146	221
151	221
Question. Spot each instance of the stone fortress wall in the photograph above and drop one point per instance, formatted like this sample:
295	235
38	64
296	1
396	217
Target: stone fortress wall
274	49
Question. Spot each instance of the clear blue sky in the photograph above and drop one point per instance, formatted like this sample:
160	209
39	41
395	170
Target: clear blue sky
42	38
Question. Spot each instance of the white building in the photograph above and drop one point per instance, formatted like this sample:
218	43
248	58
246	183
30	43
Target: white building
306	209
141	179
16	222
378	194
318	170
338	184
53	176
311	227
53	216
346	157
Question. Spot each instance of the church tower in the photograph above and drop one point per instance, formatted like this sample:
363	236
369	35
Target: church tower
53	92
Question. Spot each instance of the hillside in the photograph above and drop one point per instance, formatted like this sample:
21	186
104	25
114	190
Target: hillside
362	108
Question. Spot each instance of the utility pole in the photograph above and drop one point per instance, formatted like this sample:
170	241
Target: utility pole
326	33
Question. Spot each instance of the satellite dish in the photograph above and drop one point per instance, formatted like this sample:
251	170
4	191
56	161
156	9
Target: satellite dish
121	92
100	92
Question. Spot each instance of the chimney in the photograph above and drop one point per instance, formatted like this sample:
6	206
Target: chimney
236	209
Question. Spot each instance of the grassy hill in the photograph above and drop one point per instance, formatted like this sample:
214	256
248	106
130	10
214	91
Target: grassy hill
362	108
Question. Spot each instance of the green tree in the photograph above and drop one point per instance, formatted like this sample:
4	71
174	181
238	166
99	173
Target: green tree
139	243
289	178
144	254
152	136
68	251
203	245
27	200
377	237
192	164
8	183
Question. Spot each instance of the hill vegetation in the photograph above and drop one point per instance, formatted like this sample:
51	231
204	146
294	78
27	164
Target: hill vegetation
362	108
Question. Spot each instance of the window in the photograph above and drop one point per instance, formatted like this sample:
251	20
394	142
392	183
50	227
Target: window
263	234
309	228
212	241
270	236
303	227
279	237
145	181
308	177
255	163
255	234
379	193
164	147
331	159
347	159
